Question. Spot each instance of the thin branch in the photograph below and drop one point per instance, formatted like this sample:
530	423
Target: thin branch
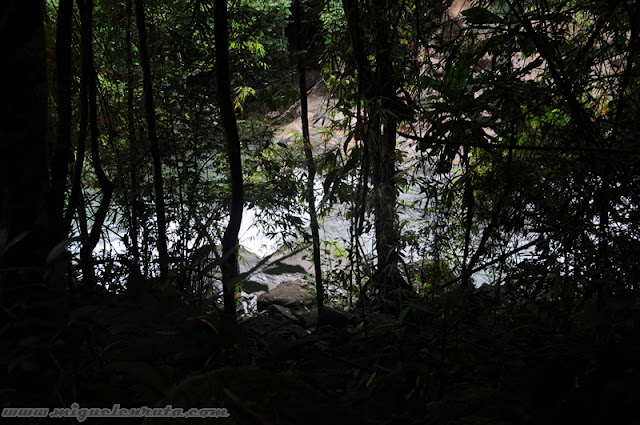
490	263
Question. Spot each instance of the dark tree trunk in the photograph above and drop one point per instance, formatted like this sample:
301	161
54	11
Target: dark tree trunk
378	89
76	203
86	17
62	149
105	184
23	143
468	207
147	88
86	250
384	162
308	150
603	283
133	152
77	200
229	267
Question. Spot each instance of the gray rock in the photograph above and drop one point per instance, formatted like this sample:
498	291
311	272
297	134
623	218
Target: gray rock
292	293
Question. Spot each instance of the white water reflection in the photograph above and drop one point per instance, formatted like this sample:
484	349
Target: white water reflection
253	238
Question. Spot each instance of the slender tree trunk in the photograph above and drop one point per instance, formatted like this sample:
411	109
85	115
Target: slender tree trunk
77	199
76	203
229	267
86	250
62	149
147	89
308	150
133	151
23	144
603	285
468	206
105	184
86	17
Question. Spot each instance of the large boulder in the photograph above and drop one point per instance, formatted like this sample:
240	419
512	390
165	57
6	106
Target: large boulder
292	293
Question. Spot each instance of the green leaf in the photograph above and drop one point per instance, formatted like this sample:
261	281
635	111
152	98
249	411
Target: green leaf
480	16
332	177
456	76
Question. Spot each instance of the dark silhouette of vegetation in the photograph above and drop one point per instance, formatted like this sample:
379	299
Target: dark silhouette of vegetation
310	196
150	114
479	171
382	113
230	268
89	244
62	150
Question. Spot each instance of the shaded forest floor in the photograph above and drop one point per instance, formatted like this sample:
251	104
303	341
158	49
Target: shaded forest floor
455	358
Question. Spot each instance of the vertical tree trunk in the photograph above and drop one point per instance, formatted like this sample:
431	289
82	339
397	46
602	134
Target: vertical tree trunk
105	184
86	18
306	140
133	151
386	220
77	199
76	203
468	203
23	143
147	89
229	267
62	149
603	283
86	250
381	106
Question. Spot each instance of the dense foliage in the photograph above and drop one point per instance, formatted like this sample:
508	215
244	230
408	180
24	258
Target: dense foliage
482	157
